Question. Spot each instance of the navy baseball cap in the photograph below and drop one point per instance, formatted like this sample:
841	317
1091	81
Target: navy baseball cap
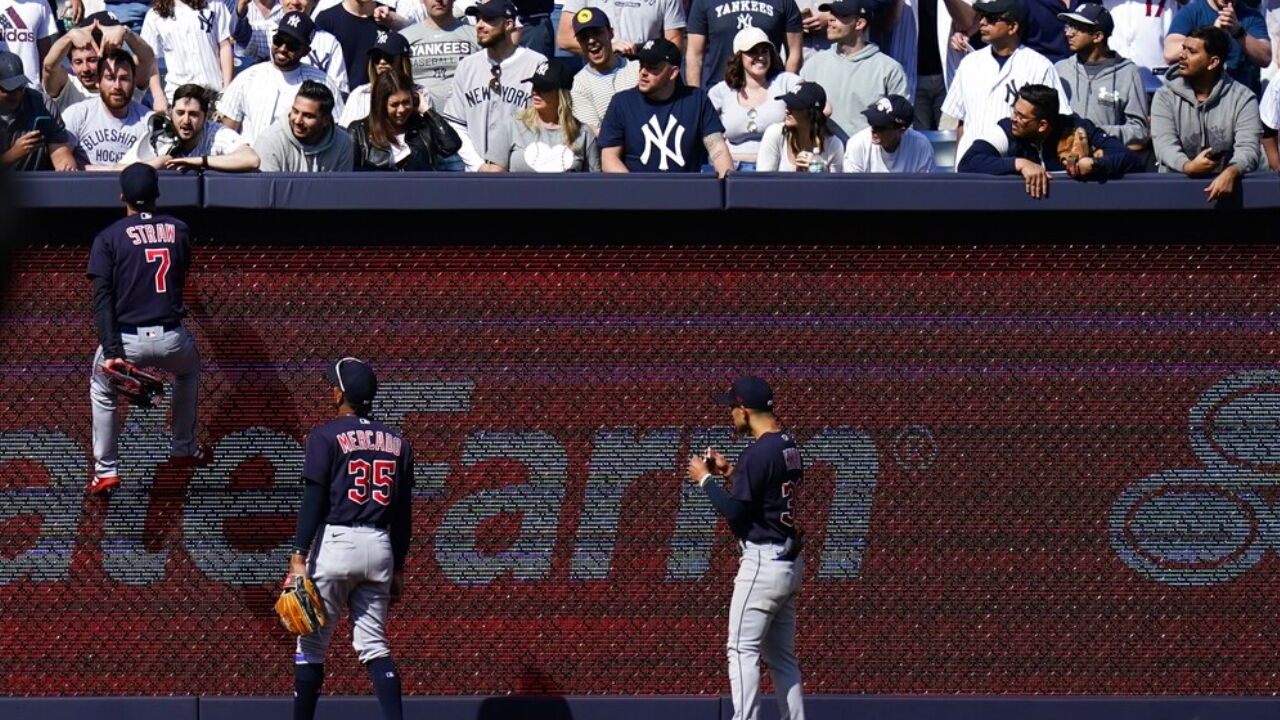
355	379
1092	15
297	26
589	17
807	95
846	8
1013	8
555	76
890	110
102	17
494	9
389	42
139	184
748	391
12	76
658	50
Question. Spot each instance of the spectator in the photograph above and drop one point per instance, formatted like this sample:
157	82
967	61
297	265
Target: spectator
261	94
1103	87
352	23
662	125
536	31
606	72
253	22
1029	143
438	45
1269	113
889	145
634	23
401	132
803	139
1044	31
1141	27
1250	48
95	34
310	141
814	23
29	30
545	137
325	54
920	42
986	84
32	137
747	98
193	37
853	71
186	138
1202	121
714	25
102	129
390	51
491	84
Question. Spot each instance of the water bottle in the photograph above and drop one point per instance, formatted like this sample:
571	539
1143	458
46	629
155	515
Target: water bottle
67	18
815	161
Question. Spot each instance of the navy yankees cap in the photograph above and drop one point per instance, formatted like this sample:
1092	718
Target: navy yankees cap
807	95
297	26
890	110
555	76
846	8
102	17
12	76
493	9
389	42
355	379
589	17
658	50
748	391
139	184
1092	15
1013	8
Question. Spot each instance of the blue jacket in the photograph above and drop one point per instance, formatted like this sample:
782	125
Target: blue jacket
997	150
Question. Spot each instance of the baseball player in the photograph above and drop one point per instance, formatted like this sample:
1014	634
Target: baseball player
194	39
138	266
986	84
358	483
762	613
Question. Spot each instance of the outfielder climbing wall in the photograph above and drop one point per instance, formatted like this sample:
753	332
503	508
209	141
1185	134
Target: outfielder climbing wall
1031	470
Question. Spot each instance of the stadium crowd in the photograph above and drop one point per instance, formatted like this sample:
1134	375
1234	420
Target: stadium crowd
1026	87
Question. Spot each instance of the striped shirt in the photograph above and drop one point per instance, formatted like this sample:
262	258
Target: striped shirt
593	91
264	93
325	54
188	41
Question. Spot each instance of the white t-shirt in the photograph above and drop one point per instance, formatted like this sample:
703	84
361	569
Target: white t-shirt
773	153
263	94
74	91
474	107
1141	26
189	43
1270	10
743	127
634	21
100	138
23	23
1269	106
914	154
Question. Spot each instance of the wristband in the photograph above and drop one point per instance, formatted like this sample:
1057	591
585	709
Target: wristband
704	480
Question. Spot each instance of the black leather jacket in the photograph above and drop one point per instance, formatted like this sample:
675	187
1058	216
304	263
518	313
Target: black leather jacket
422	153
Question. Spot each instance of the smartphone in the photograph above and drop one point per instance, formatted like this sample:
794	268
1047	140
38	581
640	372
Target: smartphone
43	125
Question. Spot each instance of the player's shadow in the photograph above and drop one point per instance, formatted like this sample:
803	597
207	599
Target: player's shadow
537	698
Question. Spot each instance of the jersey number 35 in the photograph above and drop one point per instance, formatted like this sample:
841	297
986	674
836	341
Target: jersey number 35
371	481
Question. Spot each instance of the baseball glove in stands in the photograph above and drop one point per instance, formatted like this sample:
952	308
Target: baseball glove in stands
299	606
139	386
1074	147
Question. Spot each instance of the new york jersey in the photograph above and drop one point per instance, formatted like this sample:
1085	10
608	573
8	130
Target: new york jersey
366	465
765	478
145	257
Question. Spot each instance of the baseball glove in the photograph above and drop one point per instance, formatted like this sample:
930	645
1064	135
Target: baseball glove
299	606
1074	147
140	387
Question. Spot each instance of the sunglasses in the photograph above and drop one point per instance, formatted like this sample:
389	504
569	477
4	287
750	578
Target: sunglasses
992	19
495	82
286	42
654	68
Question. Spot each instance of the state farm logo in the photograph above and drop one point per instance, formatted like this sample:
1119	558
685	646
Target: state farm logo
1208	525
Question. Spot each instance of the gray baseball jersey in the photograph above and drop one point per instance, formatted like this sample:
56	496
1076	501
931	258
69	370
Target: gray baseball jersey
100	138
188	43
263	94
437	54
474	106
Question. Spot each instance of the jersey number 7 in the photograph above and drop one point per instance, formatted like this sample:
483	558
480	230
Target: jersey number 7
162	272
380	474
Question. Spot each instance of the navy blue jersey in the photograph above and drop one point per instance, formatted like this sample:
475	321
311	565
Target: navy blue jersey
145	257
367	466
765	478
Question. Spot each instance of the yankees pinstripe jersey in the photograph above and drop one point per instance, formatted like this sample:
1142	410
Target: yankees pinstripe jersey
188	42
264	93
23	23
477	108
983	91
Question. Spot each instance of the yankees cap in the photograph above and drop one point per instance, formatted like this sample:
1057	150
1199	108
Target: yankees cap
390	43
12	75
589	17
1015	9
747	391
555	76
355	379
807	95
889	111
102	17
847	8
297	26
139	184
494	9
658	50
1092	15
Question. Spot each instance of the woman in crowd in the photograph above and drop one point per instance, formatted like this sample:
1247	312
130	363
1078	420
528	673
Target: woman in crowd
390	52
747	98
803	141
398	136
545	137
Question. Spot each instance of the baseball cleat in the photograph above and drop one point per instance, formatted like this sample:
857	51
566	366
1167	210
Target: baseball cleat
100	484
202	456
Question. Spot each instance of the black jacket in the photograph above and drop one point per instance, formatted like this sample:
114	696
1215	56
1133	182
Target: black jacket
423	154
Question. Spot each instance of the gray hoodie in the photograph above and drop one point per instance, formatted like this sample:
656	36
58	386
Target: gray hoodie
1113	99
282	152
855	81
1227	121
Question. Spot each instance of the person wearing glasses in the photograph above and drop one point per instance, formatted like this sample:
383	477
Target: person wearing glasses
492	84
986	84
263	94
747	98
853	71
